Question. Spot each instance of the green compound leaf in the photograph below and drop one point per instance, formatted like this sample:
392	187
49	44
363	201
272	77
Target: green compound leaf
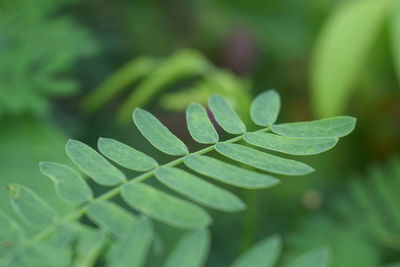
225	115
30	207
264	254
133	249
111	217
334	127
164	207
228	173
70	186
199	190
263	161
191	250
199	125
320	257
291	145
125	155
93	164
265	108
157	134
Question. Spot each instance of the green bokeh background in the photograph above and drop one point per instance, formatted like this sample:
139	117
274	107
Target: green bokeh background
54	54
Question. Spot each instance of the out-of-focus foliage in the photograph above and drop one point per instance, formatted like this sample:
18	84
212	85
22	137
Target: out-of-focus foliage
177	51
361	221
21	146
153	77
349	245
38	49
342	50
374	209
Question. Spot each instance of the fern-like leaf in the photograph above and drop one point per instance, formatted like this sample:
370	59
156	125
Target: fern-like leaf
376	201
304	138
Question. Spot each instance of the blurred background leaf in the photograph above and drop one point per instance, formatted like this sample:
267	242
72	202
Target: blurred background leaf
341	52
37	51
75	69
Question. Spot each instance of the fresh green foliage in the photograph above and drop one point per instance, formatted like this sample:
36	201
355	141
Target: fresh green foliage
348	243
395	36
30	207
262	160
125	155
70	186
376	203
157	134
290	145
23	144
225	115
229	174
200	126
265	108
165	207
90	245
264	254
37	53
134	236
128	74
150	77
339	57
139	237
111	218
191	250
10	232
93	164
332	127
199	190
362	220
320	257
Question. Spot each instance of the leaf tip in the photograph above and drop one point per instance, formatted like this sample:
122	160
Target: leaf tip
101	141
13	190
70	142
43	167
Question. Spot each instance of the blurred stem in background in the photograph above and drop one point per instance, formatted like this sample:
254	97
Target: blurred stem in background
79	65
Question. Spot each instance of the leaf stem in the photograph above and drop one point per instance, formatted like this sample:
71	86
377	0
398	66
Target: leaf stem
75	215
